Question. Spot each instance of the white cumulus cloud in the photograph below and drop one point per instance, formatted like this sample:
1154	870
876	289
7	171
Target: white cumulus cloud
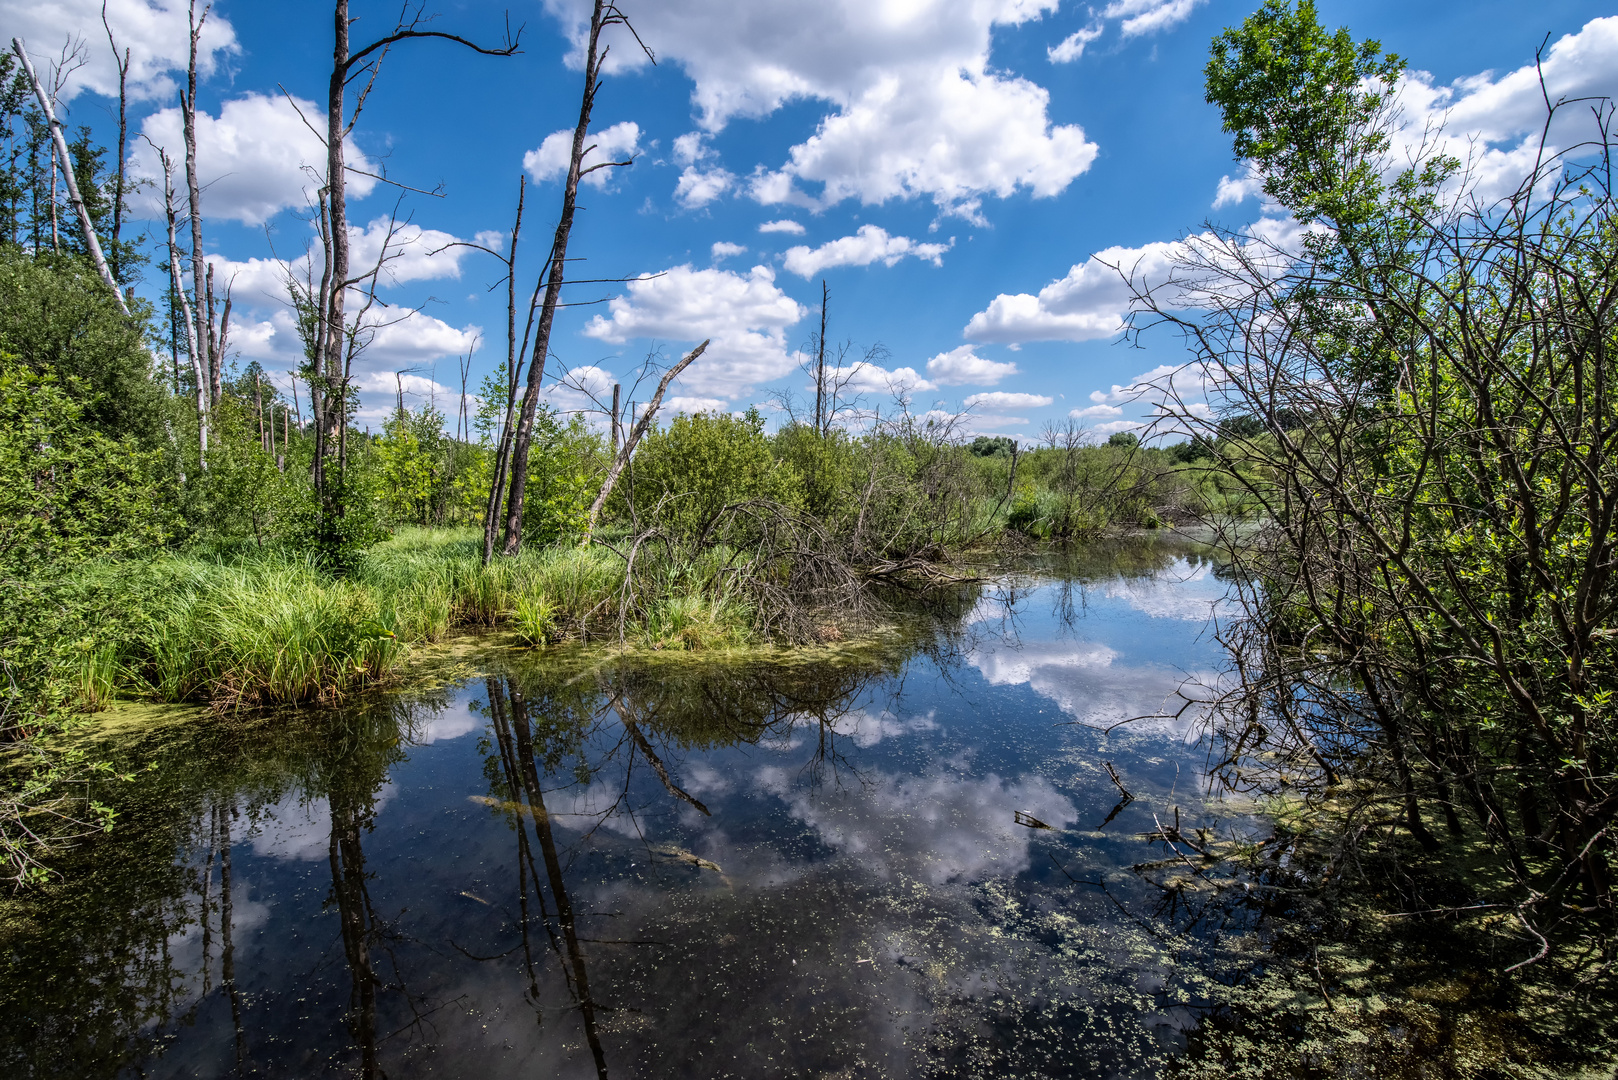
698	187
620	142
745	315
869	244
156	34
1001	399
683	403
1149	16
724	249
1090	302
255	159
963	367
1096	412
783	226
916	109
1072	46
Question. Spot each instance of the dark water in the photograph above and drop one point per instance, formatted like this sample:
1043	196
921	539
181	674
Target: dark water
805	866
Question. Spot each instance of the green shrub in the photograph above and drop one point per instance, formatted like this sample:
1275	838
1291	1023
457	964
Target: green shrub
824	466
565	469
686	474
58	319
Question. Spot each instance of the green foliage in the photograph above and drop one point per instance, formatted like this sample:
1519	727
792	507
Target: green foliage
686	474
68	492
1440	521
992	446
243	495
565	468
66	489
56	316
409	474
338	542
1294	97
824	466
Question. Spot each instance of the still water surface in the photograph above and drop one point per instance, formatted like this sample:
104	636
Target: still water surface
579	866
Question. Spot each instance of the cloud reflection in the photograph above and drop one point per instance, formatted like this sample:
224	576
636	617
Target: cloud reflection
936	827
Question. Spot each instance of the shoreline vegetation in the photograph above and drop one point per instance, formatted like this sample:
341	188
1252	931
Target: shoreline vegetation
1405	438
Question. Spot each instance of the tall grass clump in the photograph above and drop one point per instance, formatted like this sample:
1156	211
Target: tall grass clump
429	581
273	630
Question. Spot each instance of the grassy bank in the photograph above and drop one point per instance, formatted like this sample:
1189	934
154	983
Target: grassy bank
262	627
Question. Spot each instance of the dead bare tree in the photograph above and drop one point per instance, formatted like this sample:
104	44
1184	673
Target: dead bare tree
119	182
178	286
92	244
332	363
209	352
602	16
627	451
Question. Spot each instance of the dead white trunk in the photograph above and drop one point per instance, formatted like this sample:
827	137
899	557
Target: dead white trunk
185	310
91	243
635	433
605	14
202	307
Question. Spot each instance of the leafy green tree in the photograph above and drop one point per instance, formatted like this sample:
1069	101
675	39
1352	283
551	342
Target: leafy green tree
992	446
565	466
56	316
409	475
686	474
1301	104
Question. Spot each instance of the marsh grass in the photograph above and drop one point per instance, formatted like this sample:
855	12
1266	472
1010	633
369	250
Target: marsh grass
255	628
267	631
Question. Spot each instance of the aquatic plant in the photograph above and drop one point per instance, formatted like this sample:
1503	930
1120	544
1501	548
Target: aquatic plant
266	630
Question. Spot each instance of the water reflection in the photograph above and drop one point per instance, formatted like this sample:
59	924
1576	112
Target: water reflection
806	865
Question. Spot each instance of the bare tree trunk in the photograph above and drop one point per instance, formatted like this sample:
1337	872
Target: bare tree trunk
616	433
336	277
332	356
185	310
604	14
635	434
123	142
514	355
821	422
91	243
202	307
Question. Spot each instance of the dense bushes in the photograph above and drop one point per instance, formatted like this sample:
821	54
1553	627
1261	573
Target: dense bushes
684	475
57	318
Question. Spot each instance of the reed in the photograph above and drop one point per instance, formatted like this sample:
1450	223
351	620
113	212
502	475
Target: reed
267	631
267	627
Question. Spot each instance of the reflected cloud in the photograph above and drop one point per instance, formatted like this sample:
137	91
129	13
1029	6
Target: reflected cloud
446	725
936	827
866	729
1083	680
1178	591
298	828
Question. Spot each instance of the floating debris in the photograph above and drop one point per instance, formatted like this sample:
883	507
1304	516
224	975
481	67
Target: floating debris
1024	818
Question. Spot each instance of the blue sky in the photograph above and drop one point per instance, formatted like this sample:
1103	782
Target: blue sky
947	166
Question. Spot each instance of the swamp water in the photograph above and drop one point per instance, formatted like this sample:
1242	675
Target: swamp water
810	864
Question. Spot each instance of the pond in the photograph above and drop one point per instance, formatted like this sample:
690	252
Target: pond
907	858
